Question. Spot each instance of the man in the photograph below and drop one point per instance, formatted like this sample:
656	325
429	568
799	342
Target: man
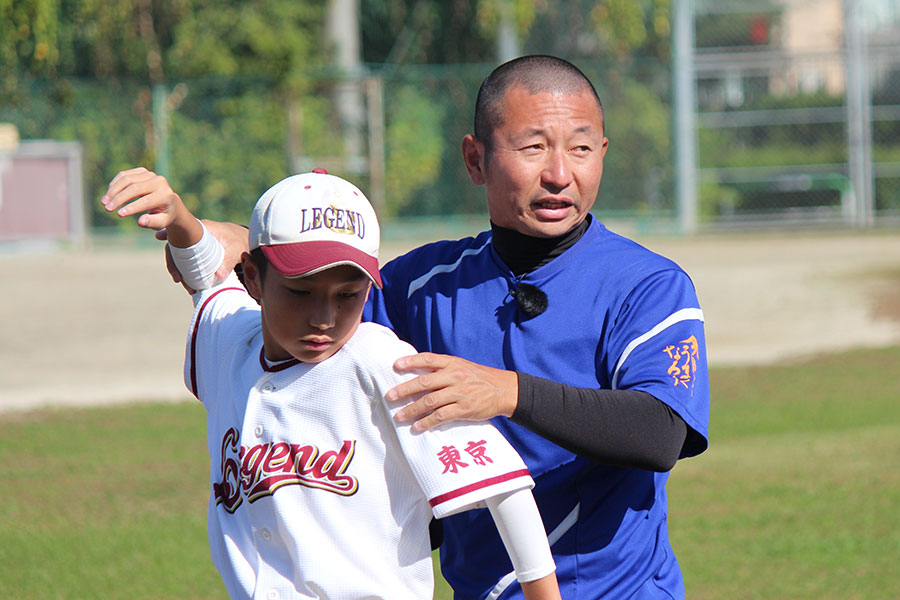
586	350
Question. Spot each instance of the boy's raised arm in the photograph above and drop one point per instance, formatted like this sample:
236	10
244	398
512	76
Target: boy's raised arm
138	190
232	238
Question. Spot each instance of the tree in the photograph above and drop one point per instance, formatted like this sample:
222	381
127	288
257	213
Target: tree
88	70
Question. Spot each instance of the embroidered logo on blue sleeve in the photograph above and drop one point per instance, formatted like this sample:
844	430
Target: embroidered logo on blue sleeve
683	368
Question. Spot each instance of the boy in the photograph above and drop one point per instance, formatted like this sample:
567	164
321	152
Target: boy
317	491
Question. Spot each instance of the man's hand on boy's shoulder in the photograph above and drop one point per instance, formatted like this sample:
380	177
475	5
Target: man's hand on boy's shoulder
450	388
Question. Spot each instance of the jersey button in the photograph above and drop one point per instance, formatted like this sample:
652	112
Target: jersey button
273	595
266	535
268	387
259	430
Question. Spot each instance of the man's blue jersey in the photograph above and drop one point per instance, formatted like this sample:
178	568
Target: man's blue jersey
618	317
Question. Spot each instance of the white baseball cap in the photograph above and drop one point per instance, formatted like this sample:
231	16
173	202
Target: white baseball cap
310	222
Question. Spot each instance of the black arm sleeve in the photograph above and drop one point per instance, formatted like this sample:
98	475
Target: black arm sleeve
617	427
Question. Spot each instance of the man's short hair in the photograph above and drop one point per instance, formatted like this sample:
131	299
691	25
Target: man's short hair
537	74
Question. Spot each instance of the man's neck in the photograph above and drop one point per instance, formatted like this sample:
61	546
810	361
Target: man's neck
524	253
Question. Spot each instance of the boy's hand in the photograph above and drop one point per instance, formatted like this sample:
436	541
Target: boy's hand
141	191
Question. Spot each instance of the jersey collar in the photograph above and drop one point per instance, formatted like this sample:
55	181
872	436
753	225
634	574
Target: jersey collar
274	367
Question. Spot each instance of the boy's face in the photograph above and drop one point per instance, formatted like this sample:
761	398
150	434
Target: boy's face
308	318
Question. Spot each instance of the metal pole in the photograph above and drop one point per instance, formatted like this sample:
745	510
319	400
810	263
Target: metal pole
859	109
375	96
685	114
343	32
507	38
161	129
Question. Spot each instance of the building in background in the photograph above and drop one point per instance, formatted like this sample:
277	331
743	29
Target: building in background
788	47
41	190
810	38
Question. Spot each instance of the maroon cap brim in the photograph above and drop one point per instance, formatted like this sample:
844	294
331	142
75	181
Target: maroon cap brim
306	258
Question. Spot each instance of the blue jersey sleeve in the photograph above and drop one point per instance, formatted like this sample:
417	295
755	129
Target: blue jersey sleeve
659	347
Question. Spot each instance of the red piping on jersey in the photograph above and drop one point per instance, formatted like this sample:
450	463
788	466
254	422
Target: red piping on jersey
275	368
477	486
194	337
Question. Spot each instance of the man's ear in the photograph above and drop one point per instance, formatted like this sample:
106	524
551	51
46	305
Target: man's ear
252	280
473	156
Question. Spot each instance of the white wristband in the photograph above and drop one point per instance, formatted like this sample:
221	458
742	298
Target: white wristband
522	530
198	263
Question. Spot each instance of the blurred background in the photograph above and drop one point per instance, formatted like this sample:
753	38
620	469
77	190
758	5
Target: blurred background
755	142
720	113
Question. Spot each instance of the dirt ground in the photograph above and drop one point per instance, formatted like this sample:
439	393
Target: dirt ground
105	324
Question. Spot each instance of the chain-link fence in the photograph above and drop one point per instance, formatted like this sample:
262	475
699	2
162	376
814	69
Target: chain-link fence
799	110
396	132
797	119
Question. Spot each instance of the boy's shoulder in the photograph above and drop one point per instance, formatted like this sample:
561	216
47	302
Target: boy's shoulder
375	347
371	336
226	306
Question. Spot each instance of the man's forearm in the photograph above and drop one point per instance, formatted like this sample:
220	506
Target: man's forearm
618	427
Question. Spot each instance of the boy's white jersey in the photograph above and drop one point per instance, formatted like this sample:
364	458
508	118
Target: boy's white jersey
316	491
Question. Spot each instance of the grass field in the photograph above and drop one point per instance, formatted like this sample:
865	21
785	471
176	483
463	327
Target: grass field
797	497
